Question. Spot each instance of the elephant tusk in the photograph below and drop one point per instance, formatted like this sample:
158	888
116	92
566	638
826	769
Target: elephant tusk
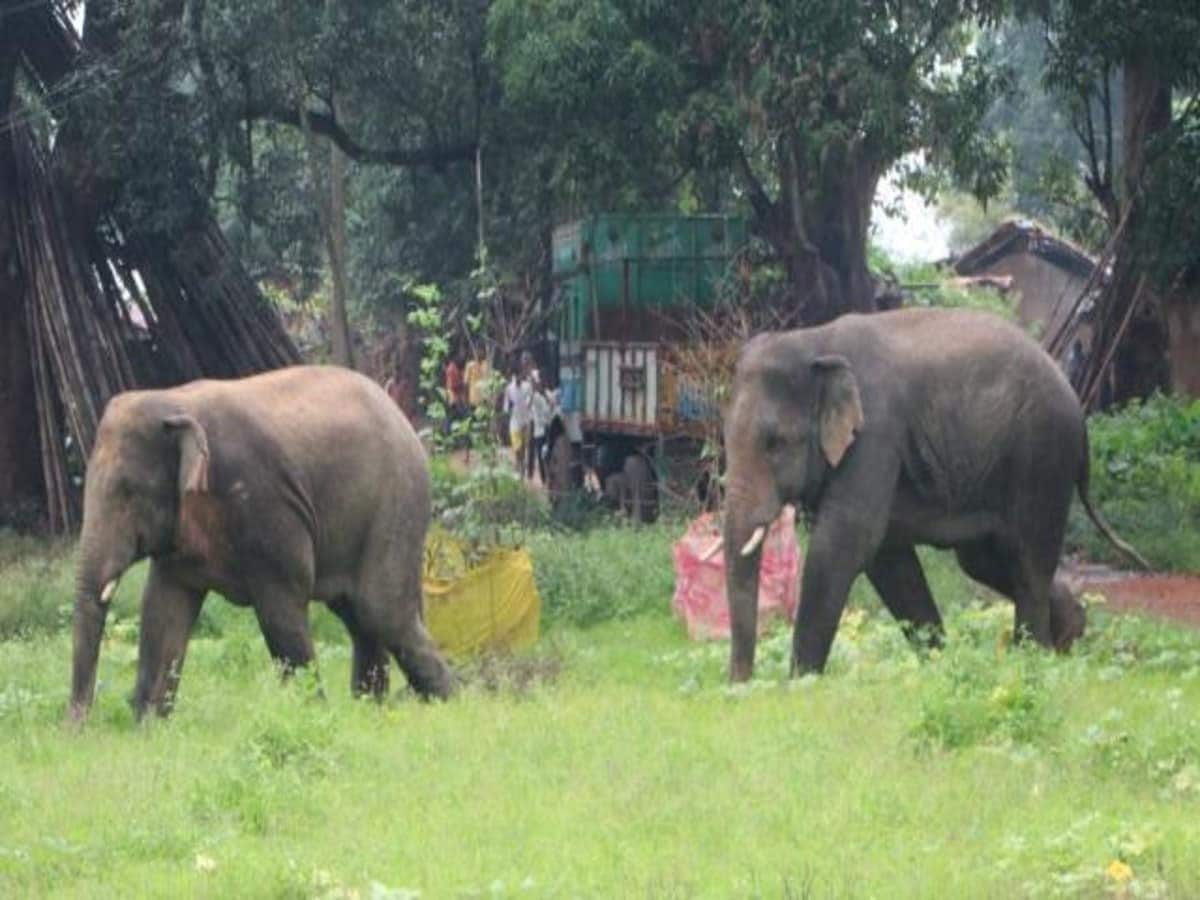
755	539
109	590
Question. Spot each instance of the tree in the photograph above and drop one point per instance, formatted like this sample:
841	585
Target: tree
1054	136
794	107
1155	48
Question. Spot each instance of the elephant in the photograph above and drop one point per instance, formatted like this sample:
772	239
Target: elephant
302	483
950	428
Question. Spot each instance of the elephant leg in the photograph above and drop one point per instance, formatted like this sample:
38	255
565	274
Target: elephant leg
984	561
851	524
1045	610
168	613
420	660
1020	579
369	674
283	620
1034	597
897	576
1068	618
838	551
395	622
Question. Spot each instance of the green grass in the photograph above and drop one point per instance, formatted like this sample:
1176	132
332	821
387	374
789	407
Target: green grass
611	761
1145	478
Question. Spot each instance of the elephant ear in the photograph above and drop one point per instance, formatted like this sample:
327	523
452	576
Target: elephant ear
839	406
193	453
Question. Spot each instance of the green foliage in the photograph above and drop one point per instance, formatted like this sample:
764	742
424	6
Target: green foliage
969	699
1015	771
186	108
603	574
37	590
1145	479
487	507
1170	238
929	285
1155	50
1055	776
1047	154
429	320
791	108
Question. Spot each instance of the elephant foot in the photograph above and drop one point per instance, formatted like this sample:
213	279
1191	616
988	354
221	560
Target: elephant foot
1068	618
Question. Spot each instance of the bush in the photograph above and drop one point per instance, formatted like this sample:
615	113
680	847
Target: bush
1145	479
488	507
930	286
970	697
603	574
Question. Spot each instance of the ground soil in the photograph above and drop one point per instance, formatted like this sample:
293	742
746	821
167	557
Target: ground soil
1175	597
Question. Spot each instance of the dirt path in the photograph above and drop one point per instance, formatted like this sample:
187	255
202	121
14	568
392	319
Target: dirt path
1173	597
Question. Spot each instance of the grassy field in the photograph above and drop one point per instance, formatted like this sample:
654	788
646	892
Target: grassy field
611	761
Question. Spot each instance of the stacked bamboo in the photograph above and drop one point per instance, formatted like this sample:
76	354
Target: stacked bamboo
105	314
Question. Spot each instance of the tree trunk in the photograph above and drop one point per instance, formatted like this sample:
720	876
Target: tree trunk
331	210
343	348
1139	364
819	230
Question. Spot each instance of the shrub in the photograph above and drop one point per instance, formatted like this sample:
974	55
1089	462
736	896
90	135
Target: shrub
488	507
604	574
930	285
1145	478
971	697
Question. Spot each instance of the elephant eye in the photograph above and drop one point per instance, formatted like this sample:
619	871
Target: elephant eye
772	440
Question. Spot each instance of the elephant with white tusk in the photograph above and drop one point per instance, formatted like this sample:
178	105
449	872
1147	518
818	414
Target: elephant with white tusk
943	427
303	483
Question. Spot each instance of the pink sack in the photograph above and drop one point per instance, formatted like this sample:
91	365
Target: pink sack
700	577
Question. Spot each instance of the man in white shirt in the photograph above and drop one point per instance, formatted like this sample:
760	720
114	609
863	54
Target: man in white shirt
518	396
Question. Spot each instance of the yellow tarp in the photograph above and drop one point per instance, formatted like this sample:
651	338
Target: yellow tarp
491	606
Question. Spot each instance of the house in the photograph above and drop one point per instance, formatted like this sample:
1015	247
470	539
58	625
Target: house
1046	272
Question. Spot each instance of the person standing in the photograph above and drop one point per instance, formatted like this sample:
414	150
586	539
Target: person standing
529	373
542	411
517	403
477	375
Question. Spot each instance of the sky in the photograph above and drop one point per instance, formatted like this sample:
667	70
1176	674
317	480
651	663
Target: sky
914	233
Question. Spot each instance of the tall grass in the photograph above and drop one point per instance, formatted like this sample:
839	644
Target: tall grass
619	763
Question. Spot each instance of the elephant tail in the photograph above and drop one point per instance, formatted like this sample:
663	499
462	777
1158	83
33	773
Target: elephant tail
1098	520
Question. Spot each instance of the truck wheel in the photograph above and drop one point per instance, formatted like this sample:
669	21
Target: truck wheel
641	489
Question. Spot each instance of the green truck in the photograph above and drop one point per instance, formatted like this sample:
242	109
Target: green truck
627	286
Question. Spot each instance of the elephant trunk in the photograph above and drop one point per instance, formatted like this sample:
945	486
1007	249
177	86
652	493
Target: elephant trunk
96	580
749	512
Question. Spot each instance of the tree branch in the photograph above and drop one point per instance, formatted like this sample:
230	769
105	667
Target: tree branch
1108	127
764	208
327	125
